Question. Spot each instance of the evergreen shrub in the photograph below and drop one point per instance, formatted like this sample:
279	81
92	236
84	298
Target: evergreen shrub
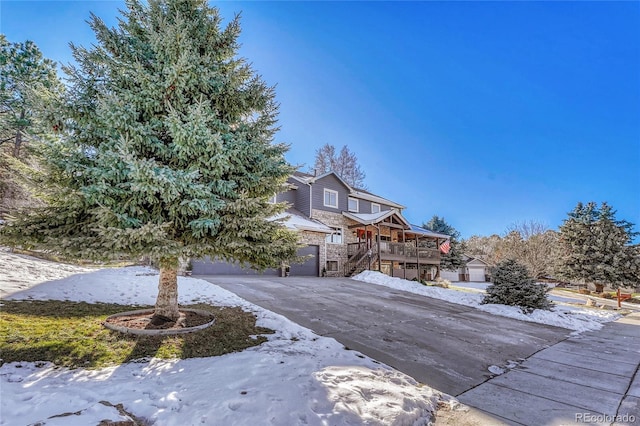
513	286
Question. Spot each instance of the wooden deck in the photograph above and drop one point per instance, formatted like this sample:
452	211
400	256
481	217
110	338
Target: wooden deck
401	252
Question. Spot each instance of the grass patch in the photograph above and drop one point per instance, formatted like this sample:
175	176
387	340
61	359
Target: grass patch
71	334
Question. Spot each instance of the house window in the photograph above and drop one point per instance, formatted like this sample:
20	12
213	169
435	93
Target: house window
332	266
335	237
330	198
354	204
375	208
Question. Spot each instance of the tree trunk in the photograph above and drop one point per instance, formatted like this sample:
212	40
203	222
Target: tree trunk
17	144
18	141
167	301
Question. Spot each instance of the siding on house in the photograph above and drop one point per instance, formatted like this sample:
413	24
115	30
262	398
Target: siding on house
365	206
301	201
333	183
287	196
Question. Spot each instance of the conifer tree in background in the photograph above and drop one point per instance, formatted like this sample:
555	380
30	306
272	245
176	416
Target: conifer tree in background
513	286
29	85
596	248
453	260
164	149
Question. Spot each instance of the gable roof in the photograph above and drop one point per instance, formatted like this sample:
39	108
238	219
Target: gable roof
329	173
478	261
421	231
373	218
353	192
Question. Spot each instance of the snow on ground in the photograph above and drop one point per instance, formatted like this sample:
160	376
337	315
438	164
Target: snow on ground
19	272
572	317
481	287
296	377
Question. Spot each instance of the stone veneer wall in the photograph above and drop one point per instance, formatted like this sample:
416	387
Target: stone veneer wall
335	251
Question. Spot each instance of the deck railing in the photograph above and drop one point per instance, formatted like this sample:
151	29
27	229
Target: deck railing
360	258
407	251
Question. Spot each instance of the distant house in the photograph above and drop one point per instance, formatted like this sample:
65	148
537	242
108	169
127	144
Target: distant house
347	230
474	269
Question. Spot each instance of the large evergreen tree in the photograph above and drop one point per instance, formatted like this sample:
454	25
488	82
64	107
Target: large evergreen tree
596	248
165	149
453	260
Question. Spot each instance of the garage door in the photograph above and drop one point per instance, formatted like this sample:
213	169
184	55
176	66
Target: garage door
476	274
207	266
450	275
310	267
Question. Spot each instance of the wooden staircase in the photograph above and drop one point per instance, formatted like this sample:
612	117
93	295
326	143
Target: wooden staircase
360	260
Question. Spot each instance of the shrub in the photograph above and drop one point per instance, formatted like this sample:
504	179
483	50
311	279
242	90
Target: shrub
513	286
442	283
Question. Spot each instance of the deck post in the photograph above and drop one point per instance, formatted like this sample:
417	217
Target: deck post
379	253
418	256
404	256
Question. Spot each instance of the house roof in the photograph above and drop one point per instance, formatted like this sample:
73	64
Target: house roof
373	218
316	178
477	260
353	192
294	219
302	175
421	231
366	195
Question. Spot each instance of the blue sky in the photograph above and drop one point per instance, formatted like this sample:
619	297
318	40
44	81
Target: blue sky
485	113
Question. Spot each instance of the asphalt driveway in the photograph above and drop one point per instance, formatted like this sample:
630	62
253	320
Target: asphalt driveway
447	346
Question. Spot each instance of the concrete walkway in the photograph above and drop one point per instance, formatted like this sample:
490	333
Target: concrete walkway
589	379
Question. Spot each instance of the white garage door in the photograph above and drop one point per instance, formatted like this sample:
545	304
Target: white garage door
476	274
449	275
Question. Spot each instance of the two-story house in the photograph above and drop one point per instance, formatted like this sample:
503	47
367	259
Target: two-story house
346	230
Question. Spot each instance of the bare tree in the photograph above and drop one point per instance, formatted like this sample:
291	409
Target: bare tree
531	243
485	248
345	164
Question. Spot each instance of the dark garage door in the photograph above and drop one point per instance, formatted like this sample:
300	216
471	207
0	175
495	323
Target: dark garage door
309	268
216	267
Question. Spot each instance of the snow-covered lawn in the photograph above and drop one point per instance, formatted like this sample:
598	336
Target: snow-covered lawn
572	317
19	272
479	287
296	377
